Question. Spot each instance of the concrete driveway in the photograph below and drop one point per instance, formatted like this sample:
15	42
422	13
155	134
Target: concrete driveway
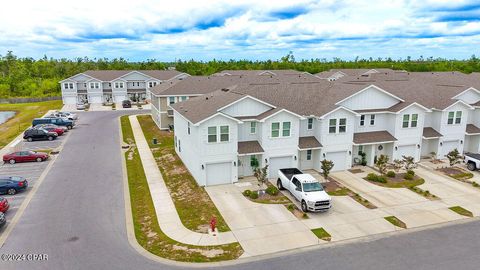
260	228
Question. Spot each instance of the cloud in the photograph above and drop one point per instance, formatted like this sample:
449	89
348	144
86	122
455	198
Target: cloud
251	29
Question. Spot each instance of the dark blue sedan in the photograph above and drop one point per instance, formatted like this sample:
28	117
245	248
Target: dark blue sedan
12	184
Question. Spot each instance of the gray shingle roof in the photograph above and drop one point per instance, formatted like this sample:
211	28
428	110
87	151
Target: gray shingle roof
373	137
309	142
430	133
109	75
249	147
472	129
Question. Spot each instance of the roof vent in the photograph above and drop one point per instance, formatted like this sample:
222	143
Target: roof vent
206	98
225	89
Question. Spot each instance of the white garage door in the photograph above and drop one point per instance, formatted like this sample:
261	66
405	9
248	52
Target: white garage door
339	160
406	150
119	98
447	147
95	99
70	100
277	163
219	173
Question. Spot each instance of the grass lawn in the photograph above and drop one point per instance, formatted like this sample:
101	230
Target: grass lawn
25	113
147	231
193	204
395	221
461	211
322	234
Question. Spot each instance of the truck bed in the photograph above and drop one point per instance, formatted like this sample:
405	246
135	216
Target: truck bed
289	172
472	155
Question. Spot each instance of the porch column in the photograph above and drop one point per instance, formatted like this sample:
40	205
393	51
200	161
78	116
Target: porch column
371	155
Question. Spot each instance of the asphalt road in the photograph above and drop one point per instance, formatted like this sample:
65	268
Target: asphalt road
77	217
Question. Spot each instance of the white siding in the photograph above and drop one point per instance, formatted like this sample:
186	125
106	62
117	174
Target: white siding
455	132
246	107
469	97
371	98
409	138
244	132
135	76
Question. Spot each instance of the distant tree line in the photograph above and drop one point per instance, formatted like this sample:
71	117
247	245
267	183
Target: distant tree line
28	77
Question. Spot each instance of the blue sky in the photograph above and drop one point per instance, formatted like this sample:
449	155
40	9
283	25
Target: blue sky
249	29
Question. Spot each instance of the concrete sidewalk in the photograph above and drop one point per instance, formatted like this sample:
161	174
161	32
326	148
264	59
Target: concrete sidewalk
167	215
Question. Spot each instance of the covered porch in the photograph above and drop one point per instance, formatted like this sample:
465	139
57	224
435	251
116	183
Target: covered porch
472	139
309	149
250	155
430	142
372	144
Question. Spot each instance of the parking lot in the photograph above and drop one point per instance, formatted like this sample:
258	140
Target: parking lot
32	171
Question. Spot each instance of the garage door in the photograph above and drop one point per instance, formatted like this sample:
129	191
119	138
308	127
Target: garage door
119	98
219	173
406	150
339	160
447	147
95	99
277	163
70	100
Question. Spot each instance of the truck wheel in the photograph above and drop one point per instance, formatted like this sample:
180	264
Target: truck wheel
471	166
304	207
279	184
29	139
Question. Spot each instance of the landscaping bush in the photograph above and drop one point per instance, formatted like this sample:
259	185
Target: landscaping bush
376	178
254	195
391	174
408	176
272	190
411	172
247	193
291	207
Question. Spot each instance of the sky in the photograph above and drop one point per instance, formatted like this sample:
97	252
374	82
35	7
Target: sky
251	29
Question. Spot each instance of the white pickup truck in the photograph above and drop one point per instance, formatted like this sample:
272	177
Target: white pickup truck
472	161
305	188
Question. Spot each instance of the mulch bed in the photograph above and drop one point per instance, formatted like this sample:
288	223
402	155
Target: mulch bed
356	170
451	170
457	173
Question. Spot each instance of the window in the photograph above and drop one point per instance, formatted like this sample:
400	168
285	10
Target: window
360	149
275	129
85	85
406	120
94	85
310	123
342	126
253	127
224	133
179	146
152	84
458	117
175	141
171	100
119	85
414	121
451	116
253	161
332	126
309	154
372	119
212	134
286	129
109	84
66	85
183	98
362	120
188	128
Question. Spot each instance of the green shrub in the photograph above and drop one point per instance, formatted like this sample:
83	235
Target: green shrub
391	174
411	172
254	195
272	190
475	184
376	178
408	176
291	207
247	192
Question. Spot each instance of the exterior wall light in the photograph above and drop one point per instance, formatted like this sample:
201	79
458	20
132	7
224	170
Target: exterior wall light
461	141
324	155
295	157
203	167
418	146
349	153
441	143
266	161
396	148
234	164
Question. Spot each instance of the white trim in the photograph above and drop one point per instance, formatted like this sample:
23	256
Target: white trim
279	111
417	104
305	149
247	96
338	108
250	154
212	116
366	88
267	71
70	78
121	77
466	90
470	107
188	95
357	144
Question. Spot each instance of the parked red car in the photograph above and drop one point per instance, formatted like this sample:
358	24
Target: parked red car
4	205
25	156
51	128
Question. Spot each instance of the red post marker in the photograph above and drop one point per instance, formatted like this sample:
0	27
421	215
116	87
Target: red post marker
213	224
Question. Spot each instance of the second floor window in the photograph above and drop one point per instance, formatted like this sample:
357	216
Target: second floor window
310	123
212	134
119	85
253	127
454	117
286	129
332	126
94	85
223	134
183	98
171	100
372	119
275	130
409	120
188	128
362	120
342	125
68	85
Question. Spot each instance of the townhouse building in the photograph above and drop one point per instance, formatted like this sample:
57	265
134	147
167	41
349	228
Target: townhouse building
107	86
166	94
221	135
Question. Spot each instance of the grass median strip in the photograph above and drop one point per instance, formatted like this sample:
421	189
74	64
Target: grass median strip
461	211
147	230
24	114
321	233
396	221
193	204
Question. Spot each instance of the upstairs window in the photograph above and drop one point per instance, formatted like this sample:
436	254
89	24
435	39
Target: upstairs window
310	123
171	100
406	120
332	126
94	85
275	129
188	128
458	117
410	120
342	126
286	129
212	134
372	119
362	120
253	127
414	121
183	98
224	134
119	85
